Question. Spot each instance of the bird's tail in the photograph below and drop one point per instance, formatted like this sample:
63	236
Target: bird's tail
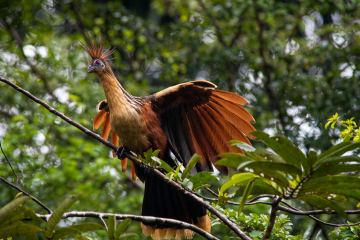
162	200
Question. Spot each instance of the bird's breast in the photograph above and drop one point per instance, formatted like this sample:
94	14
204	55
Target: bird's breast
130	128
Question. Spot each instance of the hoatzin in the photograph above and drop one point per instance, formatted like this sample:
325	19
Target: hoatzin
185	119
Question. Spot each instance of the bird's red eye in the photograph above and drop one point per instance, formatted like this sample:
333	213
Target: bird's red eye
97	62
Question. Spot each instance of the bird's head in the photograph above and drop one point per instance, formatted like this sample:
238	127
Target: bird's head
99	63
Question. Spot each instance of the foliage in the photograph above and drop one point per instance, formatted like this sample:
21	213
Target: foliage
255	225
296	61
351	132
13	214
347	233
318	180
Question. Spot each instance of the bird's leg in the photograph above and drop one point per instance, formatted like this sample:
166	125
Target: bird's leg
120	152
146	169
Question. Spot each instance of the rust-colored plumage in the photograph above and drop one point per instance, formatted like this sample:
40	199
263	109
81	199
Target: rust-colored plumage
185	119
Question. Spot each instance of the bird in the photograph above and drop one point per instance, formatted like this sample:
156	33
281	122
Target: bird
188	118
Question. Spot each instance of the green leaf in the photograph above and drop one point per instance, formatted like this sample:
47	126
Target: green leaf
335	169
323	204
247	192
65	232
18	229
274	176
232	159
31	213
335	160
121	227
332	180
128	235
236	179
14	216
338	150
259	187
284	147
241	145
201	178
201	186
58	213
327	192
194	159
8	208
332	185
85	227
284	167
111	224
81	237
156	159
166	166
30	236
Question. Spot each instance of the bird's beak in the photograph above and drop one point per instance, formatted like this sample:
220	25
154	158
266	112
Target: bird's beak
91	69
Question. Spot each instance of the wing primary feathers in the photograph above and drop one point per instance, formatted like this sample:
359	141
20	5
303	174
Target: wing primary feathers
241	125
192	143
222	136
207	149
231	97
230	132
235	108
212	134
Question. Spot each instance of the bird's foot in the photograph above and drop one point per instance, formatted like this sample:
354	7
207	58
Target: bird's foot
120	152
146	169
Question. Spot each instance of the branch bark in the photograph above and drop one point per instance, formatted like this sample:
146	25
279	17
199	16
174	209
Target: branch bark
81	214
136	161
27	194
274	209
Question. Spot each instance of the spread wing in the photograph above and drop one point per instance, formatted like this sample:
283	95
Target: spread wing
197	118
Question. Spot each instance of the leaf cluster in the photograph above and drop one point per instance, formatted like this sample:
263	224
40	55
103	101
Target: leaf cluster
317	179
13	215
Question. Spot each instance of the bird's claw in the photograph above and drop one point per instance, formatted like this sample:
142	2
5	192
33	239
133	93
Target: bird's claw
120	152
147	169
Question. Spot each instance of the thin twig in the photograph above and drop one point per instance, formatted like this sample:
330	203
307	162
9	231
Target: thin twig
17	178
144	219
136	161
27	194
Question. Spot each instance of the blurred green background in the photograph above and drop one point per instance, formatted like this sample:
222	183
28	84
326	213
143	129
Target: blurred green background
297	62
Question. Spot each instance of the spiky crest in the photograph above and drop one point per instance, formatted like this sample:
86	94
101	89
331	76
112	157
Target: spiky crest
96	50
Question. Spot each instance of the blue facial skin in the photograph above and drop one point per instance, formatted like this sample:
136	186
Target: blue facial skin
95	66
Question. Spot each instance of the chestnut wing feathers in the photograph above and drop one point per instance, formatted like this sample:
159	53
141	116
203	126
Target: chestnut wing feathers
196	118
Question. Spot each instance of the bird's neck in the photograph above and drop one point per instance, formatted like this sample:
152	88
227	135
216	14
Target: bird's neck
117	98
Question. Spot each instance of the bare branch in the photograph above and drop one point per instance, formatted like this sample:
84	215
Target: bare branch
136	161
271	224
27	194
153	220
17	178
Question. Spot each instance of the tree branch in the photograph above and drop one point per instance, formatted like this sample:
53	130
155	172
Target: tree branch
271	224
144	219
27	194
136	161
